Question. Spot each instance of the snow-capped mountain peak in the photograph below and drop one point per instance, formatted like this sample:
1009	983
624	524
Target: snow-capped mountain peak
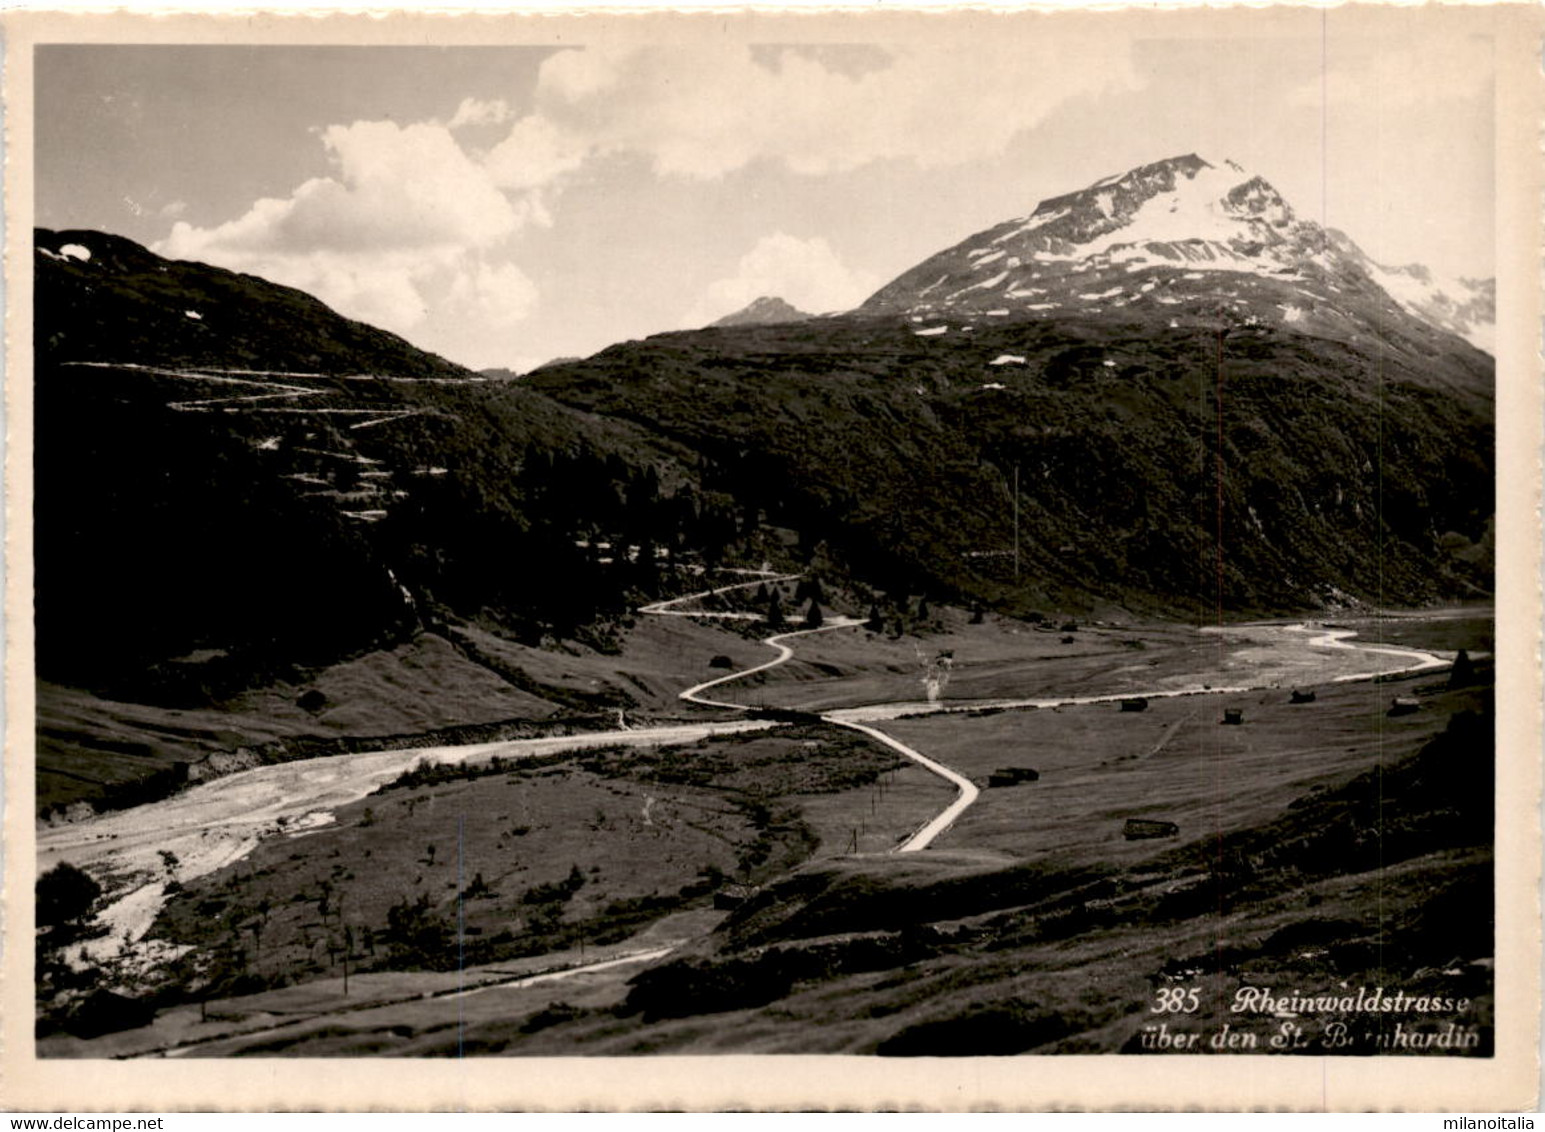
1188	233
1182	210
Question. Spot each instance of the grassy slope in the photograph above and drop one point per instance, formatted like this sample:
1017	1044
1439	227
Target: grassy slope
1382	879
647	831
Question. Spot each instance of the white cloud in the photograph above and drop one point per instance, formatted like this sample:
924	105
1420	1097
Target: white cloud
497	295
396	187
404	235
702	114
535	153
805	273
481	112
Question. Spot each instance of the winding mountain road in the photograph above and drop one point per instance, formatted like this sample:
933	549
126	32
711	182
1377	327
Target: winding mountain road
922	838
861	718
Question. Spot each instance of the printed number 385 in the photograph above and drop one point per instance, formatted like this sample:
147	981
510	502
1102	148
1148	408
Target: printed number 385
1176	1000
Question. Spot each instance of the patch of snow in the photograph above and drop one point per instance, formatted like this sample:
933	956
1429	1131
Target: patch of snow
932	286
993	385
1031	223
1174	324
984	285
1040	306
1007	360
194	315
76	251
268	444
930	331
997	314
1112	293
1109	363
1291	313
985	260
1195	221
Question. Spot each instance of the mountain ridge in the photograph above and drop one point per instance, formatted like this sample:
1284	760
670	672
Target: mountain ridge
382	481
104	298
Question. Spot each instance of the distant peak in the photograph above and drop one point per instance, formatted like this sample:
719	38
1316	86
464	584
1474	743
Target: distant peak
763	311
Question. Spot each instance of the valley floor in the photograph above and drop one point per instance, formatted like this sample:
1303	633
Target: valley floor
564	898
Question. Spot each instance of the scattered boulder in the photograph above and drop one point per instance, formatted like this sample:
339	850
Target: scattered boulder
1301	697
1233	715
1067	640
1135	703
1012	776
1070	626
312	700
1404	705
721	661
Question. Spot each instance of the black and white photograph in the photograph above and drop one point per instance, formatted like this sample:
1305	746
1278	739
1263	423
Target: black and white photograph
966	537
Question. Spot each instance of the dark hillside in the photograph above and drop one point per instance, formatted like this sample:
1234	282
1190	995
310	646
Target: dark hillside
127	304
189	507
1331	468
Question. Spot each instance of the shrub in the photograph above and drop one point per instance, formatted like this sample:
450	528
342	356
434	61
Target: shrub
65	895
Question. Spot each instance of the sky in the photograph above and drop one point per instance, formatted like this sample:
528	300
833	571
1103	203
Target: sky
502	206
